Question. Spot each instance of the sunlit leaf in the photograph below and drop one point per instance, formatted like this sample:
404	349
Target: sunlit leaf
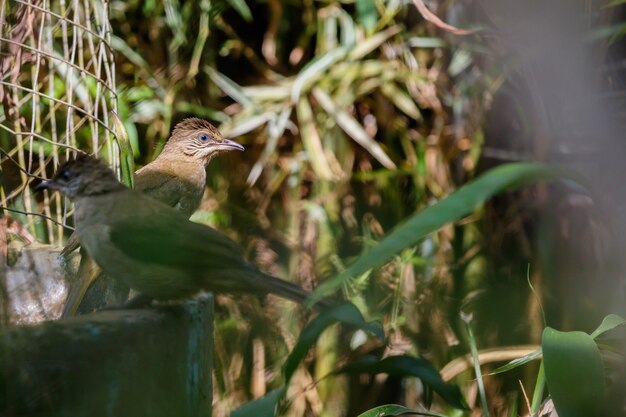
175	23
272	93
275	129
201	38
348	31
311	140
609	323
366	11
313	70
200	111
242	8
574	372
228	86
244	125
401	100
517	362
353	128
423	42
368	45
127	159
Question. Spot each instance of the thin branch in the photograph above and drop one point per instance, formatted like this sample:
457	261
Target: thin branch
28	213
17	164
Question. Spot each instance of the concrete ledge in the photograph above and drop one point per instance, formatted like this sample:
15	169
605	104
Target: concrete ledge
153	362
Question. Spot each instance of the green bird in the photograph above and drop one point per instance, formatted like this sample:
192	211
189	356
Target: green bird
177	177
152	247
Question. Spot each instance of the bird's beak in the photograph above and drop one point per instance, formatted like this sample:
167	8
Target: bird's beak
228	145
46	185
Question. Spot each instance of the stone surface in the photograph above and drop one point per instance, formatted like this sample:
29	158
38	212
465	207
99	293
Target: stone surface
152	362
37	282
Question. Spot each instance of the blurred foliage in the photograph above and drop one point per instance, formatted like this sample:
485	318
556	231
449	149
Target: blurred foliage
358	118
347	115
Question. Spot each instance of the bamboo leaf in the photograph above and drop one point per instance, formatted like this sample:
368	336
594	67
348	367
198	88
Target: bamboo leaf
458	205
228	86
353	128
127	160
175	22
401	100
371	43
311	140
313	70
242	8
517	362
241	126
275	128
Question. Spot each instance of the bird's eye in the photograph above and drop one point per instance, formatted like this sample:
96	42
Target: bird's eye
203	137
66	175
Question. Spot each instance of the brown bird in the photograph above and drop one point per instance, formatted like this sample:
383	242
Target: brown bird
177	177
152	247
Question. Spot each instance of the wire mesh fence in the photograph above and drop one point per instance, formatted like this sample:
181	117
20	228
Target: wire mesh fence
57	96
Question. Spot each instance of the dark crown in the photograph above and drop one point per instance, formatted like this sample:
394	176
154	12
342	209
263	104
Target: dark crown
83	163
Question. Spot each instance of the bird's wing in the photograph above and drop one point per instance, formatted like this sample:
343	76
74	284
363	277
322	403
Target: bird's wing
160	185
167	238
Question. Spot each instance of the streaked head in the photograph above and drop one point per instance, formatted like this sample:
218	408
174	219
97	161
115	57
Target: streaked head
83	176
200	140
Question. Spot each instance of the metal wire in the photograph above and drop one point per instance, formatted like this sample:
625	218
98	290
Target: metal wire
57	88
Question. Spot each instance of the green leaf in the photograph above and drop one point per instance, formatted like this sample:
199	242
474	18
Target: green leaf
344	313
517	362
453	208
228	86
174	20
368	45
366	11
574	372
401	100
615	3
127	161
261	407
609	323
352	127
314	70
312	141
540	387
396	410
408	366
242	8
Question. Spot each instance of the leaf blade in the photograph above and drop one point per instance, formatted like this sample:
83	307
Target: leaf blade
574	372
453	208
409	366
345	313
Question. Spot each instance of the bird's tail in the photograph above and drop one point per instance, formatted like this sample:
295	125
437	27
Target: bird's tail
87	274
289	290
